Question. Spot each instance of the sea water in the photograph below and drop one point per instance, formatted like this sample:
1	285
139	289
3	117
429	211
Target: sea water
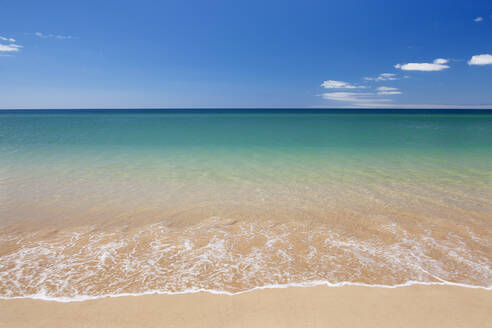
113	202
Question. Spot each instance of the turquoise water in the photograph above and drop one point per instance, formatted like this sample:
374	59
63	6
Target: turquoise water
256	147
256	128
371	178
453	143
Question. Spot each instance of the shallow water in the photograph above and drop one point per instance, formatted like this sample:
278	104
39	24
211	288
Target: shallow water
117	202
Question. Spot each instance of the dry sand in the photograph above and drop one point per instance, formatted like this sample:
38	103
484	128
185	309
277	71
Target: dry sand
416	306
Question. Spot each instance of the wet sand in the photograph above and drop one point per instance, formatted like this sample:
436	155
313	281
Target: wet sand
416	306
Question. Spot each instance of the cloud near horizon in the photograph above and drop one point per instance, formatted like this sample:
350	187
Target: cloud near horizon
9	47
55	36
478	19
383	77
388	91
360	98
356	98
438	64
332	84
481	60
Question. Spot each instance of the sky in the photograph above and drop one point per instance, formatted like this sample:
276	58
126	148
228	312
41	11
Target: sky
245	54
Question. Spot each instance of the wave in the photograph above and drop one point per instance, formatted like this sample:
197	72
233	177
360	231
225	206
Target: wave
223	256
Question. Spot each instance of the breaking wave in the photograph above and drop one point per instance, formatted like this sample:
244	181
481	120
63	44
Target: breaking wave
228	257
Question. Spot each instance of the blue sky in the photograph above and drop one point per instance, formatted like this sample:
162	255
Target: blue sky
125	54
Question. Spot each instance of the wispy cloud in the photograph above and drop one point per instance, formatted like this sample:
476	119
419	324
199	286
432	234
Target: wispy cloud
408	106
437	65
356	98
484	59
427	106
478	19
3	38
54	36
388	91
9	47
383	77
331	84
359	98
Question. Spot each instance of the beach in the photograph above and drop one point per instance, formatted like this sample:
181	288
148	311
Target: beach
348	306
245	164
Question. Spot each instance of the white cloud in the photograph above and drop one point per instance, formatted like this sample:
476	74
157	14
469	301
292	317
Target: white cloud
331	84
353	97
484	59
441	61
7	39
388	91
9	47
341	96
410	106
55	36
427	106
478	19
437	65
382	77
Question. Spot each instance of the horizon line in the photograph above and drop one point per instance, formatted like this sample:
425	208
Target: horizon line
485	108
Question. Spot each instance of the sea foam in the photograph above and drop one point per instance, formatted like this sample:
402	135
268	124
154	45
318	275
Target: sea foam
231	259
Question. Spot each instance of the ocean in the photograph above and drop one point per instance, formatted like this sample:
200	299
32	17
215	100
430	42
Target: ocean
97	203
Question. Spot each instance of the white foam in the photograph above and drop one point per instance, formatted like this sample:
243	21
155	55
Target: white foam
206	258
80	298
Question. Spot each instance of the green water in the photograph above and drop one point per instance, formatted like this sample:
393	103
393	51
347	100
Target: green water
123	157
421	145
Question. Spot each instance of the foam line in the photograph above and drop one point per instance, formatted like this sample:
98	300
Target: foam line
82	298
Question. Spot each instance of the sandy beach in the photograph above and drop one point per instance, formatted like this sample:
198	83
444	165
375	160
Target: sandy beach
416	306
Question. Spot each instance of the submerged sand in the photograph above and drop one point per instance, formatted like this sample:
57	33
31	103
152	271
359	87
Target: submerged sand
415	306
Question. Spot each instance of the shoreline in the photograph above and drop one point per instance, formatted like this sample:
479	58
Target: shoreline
348	306
252	290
